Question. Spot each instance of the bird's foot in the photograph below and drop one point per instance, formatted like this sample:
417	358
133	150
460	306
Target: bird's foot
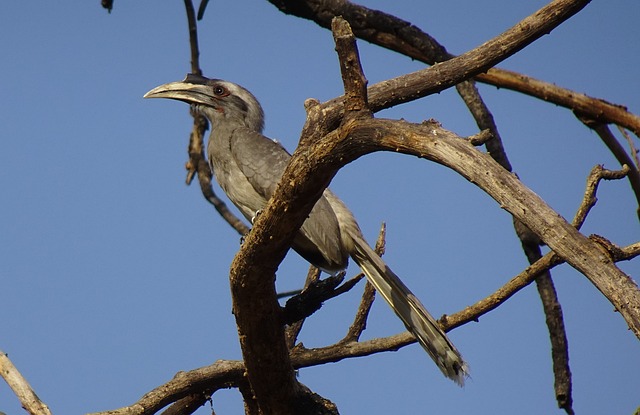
255	216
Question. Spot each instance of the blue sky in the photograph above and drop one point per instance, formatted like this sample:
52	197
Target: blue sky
113	273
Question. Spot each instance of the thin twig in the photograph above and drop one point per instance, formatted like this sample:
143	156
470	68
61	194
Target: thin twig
368	296
202	8
619	152
555	325
193	37
292	332
197	163
632	146
484	119
589	200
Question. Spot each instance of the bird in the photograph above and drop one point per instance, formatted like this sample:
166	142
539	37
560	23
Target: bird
248	165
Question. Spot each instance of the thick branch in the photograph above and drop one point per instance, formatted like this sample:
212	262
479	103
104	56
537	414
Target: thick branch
313	165
596	108
253	270
443	75
260	328
19	385
222	374
401	36
434	143
225	374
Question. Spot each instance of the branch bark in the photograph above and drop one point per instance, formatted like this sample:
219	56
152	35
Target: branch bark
443	75
21	388
434	143
619	153
320	155
224	374
401	36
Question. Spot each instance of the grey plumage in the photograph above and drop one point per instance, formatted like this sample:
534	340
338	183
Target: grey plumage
248	166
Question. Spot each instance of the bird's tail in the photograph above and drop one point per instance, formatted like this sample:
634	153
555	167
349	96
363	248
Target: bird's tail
412	313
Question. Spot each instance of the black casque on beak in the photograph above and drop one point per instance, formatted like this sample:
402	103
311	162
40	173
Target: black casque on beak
194	89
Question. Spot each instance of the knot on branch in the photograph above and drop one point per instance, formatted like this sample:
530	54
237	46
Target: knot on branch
612	250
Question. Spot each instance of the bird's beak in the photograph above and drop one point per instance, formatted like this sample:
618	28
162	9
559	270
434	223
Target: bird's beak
192	90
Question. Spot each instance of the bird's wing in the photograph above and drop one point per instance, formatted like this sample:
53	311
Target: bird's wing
262	161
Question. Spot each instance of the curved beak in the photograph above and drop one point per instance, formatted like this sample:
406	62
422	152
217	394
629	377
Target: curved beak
193	90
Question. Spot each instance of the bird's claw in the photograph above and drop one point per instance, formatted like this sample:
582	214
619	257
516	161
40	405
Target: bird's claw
255	216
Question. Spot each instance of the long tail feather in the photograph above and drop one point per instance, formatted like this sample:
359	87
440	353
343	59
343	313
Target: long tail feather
412	313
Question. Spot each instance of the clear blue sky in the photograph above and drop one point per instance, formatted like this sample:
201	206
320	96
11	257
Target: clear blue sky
113	273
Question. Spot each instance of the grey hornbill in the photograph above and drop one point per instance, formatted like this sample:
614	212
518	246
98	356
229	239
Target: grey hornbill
248	166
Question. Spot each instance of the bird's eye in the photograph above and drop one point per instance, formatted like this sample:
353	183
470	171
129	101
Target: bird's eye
220	90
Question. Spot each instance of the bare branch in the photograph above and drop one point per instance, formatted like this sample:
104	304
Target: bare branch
555	324
355	83
436	144
401	36
589	200
368	296
484	119
632	147
193	37
559	342
21	388
197	163
187	405
443	75
596	108
222	374
294	329
619	153
202	8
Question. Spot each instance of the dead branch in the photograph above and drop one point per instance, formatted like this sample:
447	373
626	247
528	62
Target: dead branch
292	332
368	296
197	163
607	137
21	388
316	161
401	36
441	146
229	373
222	374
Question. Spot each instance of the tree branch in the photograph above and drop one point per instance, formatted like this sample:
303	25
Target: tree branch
446	74
197	163
230	373
434	143
21	388
318	158
619	153
401	36
368	295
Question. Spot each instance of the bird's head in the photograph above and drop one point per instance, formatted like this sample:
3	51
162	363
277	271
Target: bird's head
218	100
